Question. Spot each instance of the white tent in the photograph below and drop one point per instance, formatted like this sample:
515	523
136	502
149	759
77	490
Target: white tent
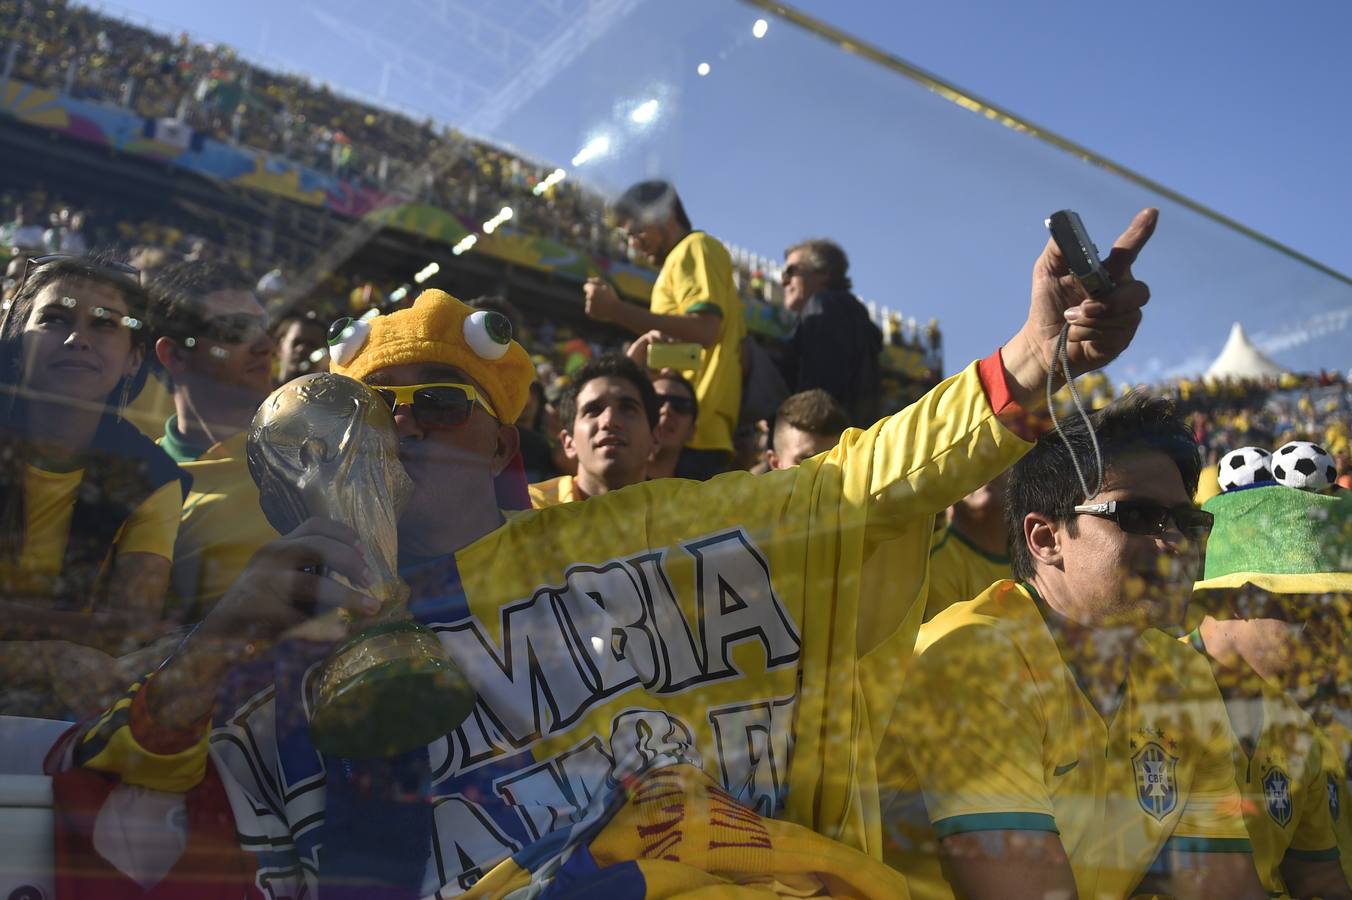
1241	359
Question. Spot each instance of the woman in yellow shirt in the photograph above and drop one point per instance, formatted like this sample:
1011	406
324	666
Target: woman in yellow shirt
88	506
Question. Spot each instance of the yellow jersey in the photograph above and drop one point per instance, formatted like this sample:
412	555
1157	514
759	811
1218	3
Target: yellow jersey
696	277
1281	776
1336	744
552	492
959	570
221	527
993	732
49	504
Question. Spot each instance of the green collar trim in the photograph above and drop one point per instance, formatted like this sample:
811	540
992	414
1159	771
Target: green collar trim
176	446
989	557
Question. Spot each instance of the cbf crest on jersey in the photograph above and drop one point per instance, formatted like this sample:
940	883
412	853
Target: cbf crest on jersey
1335	804
1156	780
1277	795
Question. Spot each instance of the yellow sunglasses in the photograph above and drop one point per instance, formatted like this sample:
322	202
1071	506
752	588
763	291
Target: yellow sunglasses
439	405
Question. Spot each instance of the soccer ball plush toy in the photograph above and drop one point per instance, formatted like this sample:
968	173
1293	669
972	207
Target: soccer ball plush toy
1243	467
1304	465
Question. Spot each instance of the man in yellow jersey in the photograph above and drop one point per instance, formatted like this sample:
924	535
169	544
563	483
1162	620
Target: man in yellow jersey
714	626
1276	635
972	551
609	411
214	354
806	423
1054	740
693	301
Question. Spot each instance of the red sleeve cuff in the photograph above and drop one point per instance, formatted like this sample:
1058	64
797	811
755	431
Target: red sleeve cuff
156	738
1029	426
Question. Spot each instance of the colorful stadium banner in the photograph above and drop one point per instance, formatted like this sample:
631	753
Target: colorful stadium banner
172	143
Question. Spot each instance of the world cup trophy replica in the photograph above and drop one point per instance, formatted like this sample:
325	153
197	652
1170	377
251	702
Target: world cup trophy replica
324	445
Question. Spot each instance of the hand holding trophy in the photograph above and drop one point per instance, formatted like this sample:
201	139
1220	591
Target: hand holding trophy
324	445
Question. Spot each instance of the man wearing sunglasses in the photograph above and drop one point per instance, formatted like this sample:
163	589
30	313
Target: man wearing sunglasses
715	625
677	411
609	411
835	345
1051	739
215	356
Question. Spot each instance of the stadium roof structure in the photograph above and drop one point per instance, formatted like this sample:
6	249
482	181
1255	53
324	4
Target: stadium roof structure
1241	359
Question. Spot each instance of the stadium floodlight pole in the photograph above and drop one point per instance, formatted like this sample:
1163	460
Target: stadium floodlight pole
969	101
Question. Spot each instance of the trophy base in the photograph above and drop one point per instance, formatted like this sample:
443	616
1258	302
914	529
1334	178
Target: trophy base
386	691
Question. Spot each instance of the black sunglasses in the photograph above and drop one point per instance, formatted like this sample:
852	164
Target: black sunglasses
683	405
791	272
1153	519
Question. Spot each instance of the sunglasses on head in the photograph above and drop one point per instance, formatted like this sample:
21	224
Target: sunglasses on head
1152	519
682	405
121	270
438	405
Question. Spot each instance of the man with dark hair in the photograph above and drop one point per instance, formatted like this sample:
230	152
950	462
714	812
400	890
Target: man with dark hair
1056	741
693	301
835	345
807	423
678	410
214	353
608	411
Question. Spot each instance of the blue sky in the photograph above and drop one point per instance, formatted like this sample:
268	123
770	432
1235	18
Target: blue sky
1238	105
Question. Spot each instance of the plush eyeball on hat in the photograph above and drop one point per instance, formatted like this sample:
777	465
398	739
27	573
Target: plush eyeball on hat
1304	465
1244	467
488	333
346	337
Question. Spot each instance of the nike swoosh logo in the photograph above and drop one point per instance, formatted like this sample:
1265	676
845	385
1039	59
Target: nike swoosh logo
1061	770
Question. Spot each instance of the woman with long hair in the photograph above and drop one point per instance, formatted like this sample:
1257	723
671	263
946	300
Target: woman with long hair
89	507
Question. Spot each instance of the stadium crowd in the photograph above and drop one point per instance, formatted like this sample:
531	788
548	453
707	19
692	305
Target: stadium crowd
373	592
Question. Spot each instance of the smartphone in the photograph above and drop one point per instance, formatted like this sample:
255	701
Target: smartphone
683	357
1080	253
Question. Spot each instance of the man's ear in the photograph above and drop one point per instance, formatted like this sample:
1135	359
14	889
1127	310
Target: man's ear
770	459
509	443
171	355
1043	536
566	441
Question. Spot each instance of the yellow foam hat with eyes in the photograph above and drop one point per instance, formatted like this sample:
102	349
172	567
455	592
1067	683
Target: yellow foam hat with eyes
439	329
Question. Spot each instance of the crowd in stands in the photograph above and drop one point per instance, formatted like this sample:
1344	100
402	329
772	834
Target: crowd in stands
367	591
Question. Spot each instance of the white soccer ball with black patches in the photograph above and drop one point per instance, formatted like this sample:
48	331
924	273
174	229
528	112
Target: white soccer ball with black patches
1304	465
1244	467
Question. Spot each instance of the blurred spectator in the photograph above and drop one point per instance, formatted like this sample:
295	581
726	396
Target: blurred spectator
693	301
807	423
22	232
678	408
66	235
609	411
302	345
835	345
214	354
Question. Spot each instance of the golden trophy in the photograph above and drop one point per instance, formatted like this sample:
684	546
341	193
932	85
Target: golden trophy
324	445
